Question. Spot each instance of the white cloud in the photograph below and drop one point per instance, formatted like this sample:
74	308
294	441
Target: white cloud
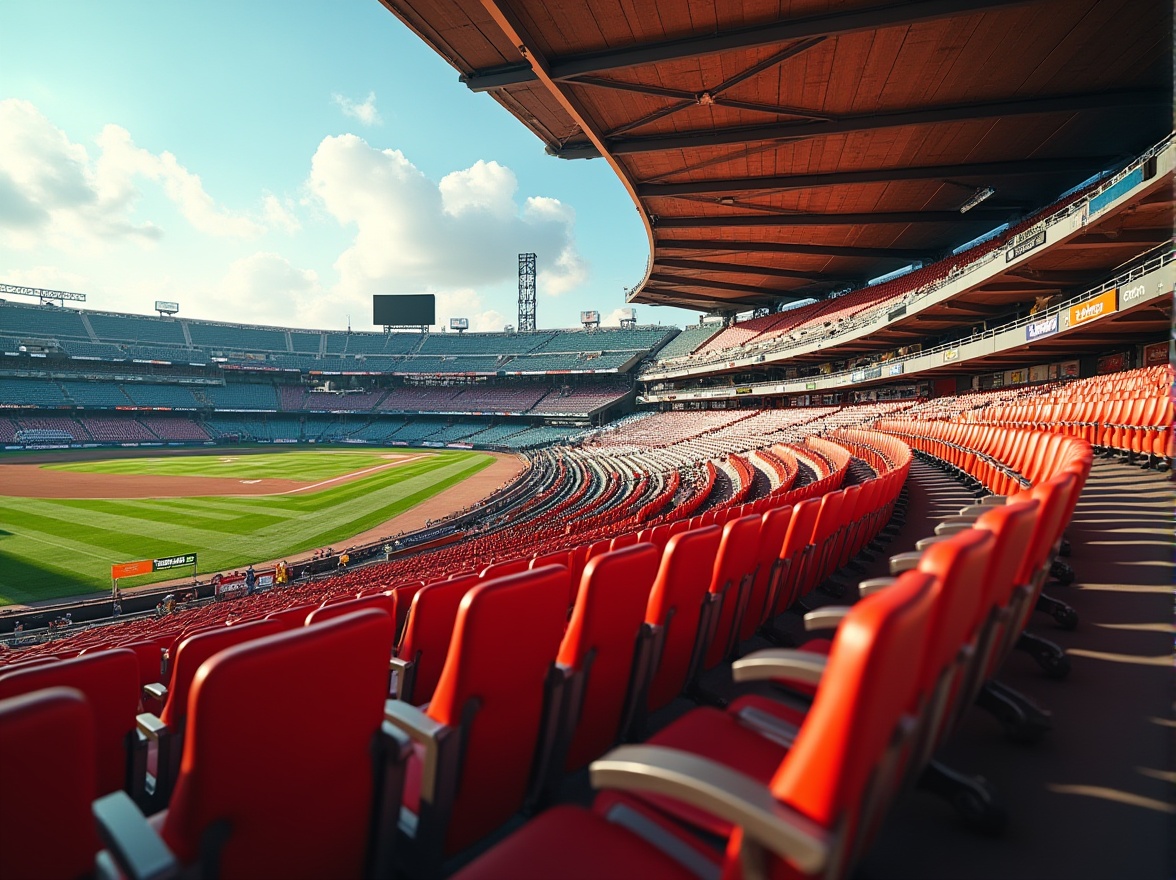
414	235
263	287
468	303
279	214
613	318
364	112
53	191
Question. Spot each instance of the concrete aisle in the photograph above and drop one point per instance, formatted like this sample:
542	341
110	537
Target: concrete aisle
1095	798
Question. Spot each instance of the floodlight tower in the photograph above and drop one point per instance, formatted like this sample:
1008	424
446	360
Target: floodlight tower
526	293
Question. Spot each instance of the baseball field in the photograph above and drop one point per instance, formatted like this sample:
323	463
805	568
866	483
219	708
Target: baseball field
64	522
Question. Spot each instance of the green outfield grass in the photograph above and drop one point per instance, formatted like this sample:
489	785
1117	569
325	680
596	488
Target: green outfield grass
64	547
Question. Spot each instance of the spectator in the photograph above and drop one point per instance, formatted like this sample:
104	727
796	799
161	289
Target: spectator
117	609
344	559
250	580
387	552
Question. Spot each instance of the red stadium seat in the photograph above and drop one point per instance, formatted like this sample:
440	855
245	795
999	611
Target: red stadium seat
165	733
312	762
47	764
386	602
110	682
596	655
808	819
475	743
669	651
423	648
734	571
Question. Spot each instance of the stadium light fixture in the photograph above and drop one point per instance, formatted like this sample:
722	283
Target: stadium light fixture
984	192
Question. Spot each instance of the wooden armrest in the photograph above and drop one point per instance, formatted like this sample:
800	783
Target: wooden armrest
804	667
923	543
156	691
722	792
873	585
967	519
951	528
904	561
422	729
139	853
828	617
993	500
975	510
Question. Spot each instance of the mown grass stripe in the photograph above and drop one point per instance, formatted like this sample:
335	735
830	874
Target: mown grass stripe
46	544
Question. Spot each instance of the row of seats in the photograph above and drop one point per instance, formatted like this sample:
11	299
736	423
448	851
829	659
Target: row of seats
801	792
189	757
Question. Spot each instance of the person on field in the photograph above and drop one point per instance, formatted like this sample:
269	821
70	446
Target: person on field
344	559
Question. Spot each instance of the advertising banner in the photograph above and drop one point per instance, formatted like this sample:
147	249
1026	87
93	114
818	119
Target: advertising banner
1132	294
146	566
1041	329
130	569
1093	309
1155	354
1111	363
951	354
1020	248
1108	195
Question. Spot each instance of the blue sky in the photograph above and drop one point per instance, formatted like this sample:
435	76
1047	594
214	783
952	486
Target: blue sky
279	163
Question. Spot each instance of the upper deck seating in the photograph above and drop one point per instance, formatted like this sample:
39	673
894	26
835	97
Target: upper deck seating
136	328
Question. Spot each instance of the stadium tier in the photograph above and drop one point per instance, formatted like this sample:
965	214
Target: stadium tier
890	524
588	526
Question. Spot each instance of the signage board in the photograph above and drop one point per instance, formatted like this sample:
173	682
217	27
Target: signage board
1093	309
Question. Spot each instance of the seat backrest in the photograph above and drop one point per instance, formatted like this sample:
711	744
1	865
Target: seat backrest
627	539
867	686
1054	495
47	764
773	529
600	642
505	567
1012	529
384	601
960	564
505	641
675	605
558	557
292	618
306	809
797	538
428	631
149	653
191	654
110	682
734	562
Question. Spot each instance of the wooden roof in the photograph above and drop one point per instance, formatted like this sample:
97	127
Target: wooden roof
780	149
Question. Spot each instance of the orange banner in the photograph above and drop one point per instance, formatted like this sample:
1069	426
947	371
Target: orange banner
130	569
1103	304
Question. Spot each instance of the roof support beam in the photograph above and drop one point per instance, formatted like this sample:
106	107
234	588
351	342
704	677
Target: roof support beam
763	292
988	170
789	131
894	14
674	297
898	255
980	215
742	269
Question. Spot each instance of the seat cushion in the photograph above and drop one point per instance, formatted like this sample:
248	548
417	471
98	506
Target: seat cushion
719	736
575	844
